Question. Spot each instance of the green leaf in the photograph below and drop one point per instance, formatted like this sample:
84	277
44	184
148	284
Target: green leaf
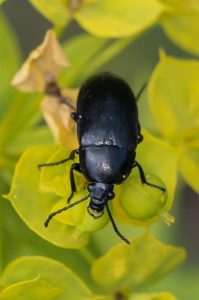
23	113
47	276
14	139
33	205
189	164
56	179
181	3
109	18
183	283
29	137
157	158
132	267
9	63
173	98
156	296
181	26
54	10
36	288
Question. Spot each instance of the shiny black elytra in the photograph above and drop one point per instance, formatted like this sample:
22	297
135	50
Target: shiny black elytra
108	132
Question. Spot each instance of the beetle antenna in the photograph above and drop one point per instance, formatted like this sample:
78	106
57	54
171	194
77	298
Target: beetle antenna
141	91
115	226
63	209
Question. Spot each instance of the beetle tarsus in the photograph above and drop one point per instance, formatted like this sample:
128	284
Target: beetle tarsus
143	178
70	197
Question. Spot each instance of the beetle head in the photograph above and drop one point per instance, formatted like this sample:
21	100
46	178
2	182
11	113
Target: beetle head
100	194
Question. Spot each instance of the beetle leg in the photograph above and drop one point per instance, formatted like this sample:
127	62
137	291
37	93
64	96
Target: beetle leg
71	157
74	116
143	178
74	167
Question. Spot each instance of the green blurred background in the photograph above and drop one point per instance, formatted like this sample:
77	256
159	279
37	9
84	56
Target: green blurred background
135	65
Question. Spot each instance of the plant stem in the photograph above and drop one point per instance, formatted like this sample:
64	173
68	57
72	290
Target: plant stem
87	254
1	238
109	52
59	30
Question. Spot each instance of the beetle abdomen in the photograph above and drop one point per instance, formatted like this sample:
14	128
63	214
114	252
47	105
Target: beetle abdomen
107	164
108	113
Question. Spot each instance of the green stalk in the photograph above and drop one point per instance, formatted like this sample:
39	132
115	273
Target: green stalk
87	254
109	53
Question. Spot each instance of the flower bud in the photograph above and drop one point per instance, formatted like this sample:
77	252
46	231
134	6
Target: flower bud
91	224
141	201
78	214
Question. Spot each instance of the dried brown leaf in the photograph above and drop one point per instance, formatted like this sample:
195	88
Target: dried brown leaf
43	63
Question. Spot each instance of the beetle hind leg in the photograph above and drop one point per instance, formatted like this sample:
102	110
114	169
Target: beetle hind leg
143	178
75	116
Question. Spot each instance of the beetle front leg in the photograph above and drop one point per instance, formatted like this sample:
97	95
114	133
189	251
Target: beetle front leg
71	157
74	167
74	116
143	178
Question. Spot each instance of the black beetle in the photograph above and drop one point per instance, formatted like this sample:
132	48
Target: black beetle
108	132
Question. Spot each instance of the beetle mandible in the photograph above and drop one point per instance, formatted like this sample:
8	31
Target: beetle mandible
108	132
